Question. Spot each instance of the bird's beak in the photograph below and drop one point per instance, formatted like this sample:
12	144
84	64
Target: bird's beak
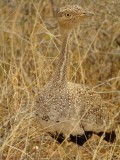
87	14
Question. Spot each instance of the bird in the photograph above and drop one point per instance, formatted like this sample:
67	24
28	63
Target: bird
66	108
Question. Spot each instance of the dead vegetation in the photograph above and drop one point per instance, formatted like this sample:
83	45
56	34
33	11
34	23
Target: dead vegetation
29	48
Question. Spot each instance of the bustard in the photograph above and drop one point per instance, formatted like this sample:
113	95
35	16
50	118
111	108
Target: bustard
65	107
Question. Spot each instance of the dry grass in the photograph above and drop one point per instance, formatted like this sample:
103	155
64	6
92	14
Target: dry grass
28	49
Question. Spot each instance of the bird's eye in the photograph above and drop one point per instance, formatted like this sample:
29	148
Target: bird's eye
67	15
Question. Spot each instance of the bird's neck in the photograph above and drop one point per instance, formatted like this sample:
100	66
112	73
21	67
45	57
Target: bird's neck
60	76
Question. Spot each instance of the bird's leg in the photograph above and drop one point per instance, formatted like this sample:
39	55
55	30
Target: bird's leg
108	136
81	139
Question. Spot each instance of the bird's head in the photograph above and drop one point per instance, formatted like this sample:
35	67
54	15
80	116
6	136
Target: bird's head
69	17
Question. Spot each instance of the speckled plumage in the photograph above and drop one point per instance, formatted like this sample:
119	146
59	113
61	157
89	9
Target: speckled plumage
68	107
